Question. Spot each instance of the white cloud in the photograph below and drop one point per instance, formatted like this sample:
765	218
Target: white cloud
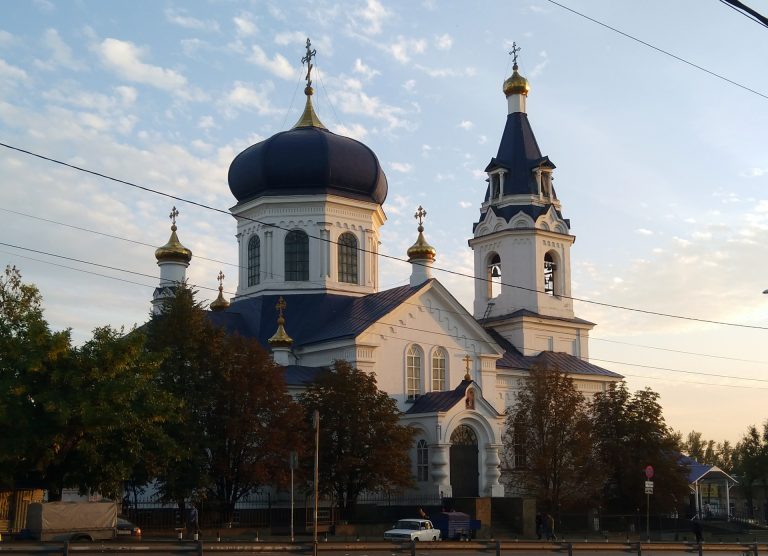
245	96
644	232
403	48
278	65
466	125
5	37
444	177
291	37
276	12
425	150
206	122
755	172
365	70
45	6
374	14
538	69
358	102
355	131
403	167
11	74
446	72
443	42
244	25
125	59
482	139
61	53
179	17
465	204
410	85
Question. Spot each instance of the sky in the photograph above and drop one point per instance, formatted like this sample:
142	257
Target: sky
662	167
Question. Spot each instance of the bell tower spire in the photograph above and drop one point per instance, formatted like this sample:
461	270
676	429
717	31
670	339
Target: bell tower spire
522	242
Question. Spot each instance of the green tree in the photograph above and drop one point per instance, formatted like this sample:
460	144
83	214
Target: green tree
551	427
750	462
363	447
80	417
629	434
237	423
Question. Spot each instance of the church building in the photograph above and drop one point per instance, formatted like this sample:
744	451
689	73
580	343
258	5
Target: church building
308	289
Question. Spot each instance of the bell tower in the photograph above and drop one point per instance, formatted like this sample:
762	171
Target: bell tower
522	243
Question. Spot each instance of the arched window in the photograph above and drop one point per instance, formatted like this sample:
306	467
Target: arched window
348	258
254	260
296	256
494	276
438	370
413	373
518	443
422	461
549	274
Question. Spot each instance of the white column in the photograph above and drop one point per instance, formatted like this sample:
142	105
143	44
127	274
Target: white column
364	256
492	473
268	259
439	468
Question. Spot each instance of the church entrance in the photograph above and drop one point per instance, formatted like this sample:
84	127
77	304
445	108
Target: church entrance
464	470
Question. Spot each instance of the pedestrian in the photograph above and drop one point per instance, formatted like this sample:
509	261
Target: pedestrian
539	527
193	526
549	527
696	528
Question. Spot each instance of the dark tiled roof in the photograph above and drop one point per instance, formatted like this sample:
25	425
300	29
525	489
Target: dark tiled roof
310	318
529	313
299	375
432	402
566	363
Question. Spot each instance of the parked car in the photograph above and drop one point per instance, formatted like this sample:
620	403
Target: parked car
412	530
127	531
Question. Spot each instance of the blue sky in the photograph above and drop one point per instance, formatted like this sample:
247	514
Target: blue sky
661	167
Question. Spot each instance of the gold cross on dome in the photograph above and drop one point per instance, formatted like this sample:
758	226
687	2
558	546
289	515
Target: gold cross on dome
173	215
420	214
308	60
281	305
220	278
513	53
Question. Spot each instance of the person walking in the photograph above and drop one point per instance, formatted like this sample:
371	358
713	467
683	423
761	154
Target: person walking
193	525
549	526
539	526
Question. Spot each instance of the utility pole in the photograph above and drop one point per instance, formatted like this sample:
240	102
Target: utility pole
316	420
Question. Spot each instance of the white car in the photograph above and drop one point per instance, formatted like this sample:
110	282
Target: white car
412	530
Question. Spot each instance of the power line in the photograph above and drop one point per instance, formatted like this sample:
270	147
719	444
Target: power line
451	311
383	323
391	257
746	11
656	48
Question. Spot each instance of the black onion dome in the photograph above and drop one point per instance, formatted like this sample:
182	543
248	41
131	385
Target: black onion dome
305	161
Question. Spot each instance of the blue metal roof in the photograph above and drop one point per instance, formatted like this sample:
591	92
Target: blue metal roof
433	402
310	318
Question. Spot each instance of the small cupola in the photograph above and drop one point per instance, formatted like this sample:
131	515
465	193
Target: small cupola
173	250
220	304
516	87
421	254
173	259
281	342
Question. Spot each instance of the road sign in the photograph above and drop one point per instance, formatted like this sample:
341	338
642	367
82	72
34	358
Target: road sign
649	487
649	472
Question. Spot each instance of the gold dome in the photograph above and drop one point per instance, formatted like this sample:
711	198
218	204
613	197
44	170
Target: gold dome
281	337
421	249
516	84
173	250
219	304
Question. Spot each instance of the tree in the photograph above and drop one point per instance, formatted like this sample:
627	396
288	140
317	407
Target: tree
362	445
252	423
629	434
80	417
750	459
237	422
551	426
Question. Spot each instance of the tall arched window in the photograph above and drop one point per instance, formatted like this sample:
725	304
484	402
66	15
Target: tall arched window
348	258
413	373
438	370
494	276
254	260
422	461
296	256
549	274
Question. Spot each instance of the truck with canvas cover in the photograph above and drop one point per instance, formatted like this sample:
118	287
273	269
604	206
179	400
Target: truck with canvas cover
72	521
